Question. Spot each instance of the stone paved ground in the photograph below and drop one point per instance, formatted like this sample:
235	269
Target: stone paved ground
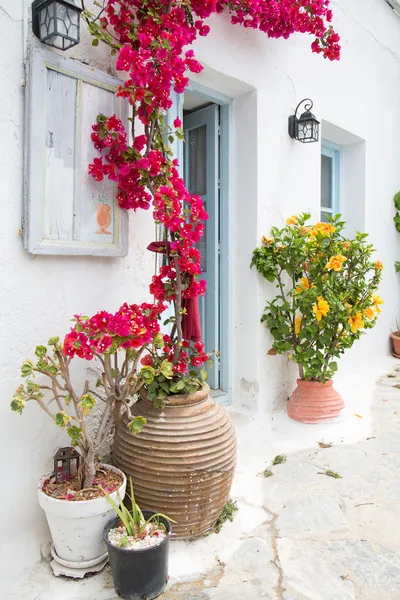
323	538
317	538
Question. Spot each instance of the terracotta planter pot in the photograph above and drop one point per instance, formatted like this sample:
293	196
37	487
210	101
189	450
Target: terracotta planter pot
396	344
183	460
314	402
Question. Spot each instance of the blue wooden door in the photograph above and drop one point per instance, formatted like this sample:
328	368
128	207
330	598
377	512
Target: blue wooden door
201	173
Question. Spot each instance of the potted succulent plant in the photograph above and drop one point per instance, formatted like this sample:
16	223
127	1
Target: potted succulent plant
327	299
75	507
138	548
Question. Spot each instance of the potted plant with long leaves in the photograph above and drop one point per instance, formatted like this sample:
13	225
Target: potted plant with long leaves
75	507
138	548
327	299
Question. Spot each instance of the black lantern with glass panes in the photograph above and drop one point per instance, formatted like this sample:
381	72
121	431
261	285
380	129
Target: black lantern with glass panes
56	22
64	470
305	128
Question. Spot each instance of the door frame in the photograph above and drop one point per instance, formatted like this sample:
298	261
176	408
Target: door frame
224	395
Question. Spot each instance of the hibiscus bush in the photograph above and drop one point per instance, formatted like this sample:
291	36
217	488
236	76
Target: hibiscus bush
326	297
117	342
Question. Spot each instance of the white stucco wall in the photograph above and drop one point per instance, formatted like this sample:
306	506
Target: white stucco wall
39	295
272	178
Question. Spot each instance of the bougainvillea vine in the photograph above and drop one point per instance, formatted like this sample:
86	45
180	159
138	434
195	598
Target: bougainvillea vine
151	40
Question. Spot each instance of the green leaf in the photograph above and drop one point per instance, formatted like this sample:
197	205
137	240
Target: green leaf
158	340
75	433
53	341
203	374
62	419
27	369
95	42
18	403
87	403
136	424
166	369
147	374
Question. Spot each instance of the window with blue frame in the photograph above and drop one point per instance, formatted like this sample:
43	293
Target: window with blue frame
330	181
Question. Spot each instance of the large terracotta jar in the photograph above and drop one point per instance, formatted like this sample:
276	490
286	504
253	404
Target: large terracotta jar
314	402
182	462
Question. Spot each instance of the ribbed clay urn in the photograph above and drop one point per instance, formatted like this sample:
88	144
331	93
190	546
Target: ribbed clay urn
182	462
314	402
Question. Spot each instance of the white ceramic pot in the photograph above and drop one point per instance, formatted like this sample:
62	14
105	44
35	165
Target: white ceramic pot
77	527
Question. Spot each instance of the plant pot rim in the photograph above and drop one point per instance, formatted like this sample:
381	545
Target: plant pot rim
58	501
395	334
117	520
316	383
177	400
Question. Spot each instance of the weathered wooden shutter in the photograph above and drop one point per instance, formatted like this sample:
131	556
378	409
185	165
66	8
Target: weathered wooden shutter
65	210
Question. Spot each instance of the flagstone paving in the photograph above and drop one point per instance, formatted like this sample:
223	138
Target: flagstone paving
319	538
323	538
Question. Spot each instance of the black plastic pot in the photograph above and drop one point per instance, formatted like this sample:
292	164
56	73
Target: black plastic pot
139	574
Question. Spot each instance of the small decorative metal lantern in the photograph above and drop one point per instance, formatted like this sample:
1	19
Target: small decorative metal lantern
56	22
305	128
65	456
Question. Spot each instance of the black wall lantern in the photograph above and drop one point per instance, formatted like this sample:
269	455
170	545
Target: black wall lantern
306	127
56	22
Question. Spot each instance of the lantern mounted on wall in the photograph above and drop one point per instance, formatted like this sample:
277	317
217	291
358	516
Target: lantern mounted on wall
63	459
305	128
56	22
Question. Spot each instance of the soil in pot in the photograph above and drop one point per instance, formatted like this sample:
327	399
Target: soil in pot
139	567
69	489
396	343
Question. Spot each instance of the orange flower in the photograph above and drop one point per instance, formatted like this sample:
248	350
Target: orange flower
336	263
304	284
304	230
292	220
321	309
346	245
378	265
356	322
369	313
297	325
267	240
325	229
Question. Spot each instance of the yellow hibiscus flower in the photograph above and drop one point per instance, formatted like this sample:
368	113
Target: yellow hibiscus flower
346	245
321	309
304	284
297	325
336	263
378	265
356	322
325	229
267	240
377	300
304	230
292	220
369	313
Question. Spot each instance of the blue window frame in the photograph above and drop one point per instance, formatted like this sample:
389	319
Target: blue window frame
330	180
